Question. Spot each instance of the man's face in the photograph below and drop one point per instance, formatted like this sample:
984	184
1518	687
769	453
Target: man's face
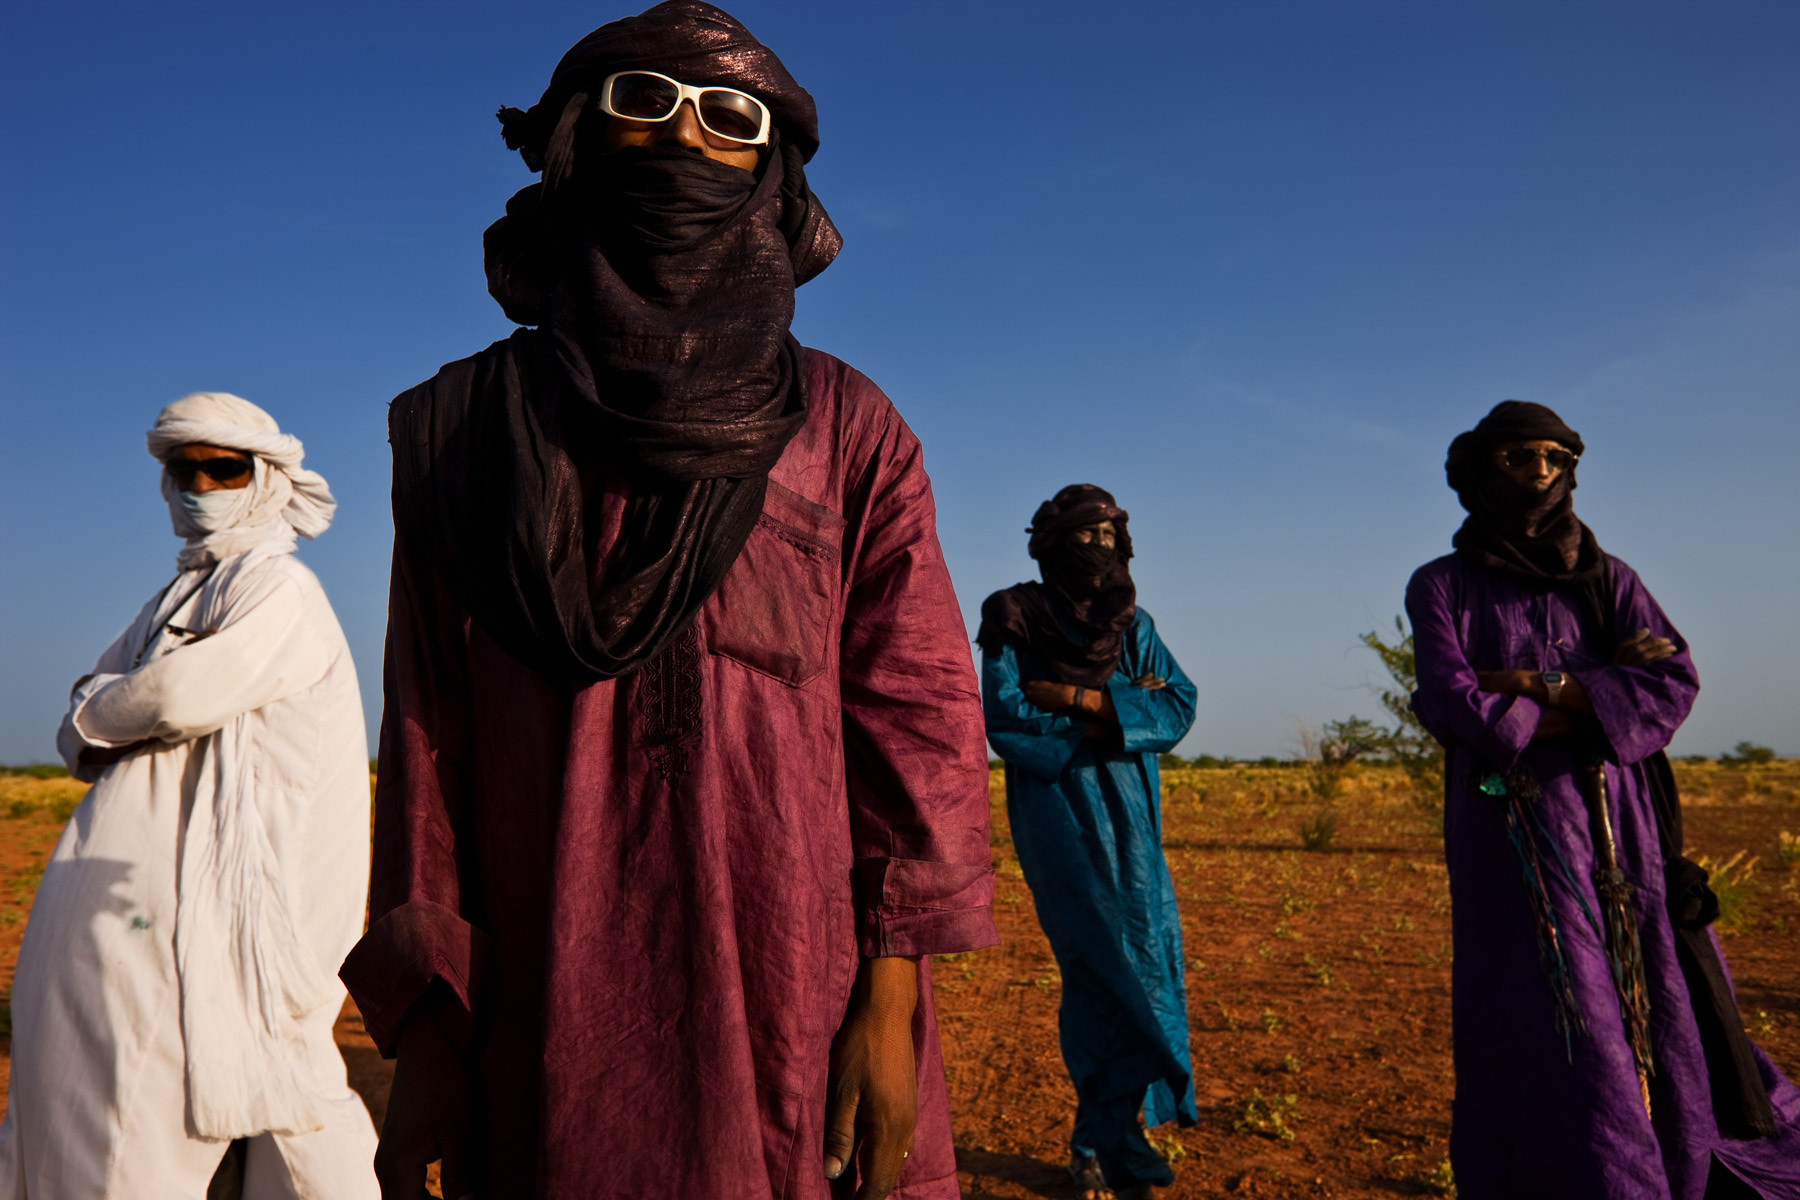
682	129
224	470
1102	535
1534	466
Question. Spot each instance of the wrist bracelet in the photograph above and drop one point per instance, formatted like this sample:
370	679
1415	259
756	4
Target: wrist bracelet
1081	698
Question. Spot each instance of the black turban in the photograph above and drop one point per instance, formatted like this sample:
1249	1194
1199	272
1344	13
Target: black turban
1075	620
625	261
1512	529
689	40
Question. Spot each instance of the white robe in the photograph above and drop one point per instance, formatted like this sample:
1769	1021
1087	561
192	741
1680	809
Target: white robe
100	1103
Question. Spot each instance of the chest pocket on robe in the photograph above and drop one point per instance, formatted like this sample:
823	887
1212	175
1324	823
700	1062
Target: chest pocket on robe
775	610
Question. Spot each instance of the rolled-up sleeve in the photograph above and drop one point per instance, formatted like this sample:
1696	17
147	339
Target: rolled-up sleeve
263	651
1640	708
1449	700
915	758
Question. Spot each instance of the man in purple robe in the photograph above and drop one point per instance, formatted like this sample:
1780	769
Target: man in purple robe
1586	1067
682	774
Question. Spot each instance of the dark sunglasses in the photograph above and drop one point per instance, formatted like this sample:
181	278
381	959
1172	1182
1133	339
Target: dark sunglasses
1520	457
219	470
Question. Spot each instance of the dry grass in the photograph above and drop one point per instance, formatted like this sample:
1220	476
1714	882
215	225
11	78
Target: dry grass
23	796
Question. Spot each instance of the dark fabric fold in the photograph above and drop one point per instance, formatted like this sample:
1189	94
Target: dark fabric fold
1075	619
662	283
1740	1098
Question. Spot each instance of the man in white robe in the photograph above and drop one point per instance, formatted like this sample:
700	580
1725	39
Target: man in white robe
177	984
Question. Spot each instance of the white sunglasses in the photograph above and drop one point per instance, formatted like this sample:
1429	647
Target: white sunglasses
724	112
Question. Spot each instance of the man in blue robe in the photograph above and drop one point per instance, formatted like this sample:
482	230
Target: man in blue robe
1080	696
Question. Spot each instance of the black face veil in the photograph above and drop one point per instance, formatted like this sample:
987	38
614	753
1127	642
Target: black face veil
1511	529
661	284
1075	619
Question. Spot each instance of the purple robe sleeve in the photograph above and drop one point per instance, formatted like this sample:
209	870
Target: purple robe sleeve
915	761
1496	727
418	934
1640	708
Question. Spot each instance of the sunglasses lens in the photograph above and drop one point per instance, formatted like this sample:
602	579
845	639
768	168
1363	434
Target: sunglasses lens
731	114
219	470
643	97
1520	457
224	470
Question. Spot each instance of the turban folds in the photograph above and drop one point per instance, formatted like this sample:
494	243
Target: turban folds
282	500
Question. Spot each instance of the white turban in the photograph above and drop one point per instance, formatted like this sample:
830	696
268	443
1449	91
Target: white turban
282	499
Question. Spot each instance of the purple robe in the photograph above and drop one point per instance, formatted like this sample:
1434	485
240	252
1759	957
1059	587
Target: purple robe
1528	1121
648	974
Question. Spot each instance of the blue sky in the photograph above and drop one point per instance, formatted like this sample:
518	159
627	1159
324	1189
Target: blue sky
1250	266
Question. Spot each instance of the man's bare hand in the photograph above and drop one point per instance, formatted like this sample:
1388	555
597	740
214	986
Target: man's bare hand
1641	649
1150	683
872	1096
428	1115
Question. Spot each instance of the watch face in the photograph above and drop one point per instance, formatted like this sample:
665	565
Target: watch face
1553	677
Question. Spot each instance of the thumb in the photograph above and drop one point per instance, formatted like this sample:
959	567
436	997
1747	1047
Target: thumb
840	1130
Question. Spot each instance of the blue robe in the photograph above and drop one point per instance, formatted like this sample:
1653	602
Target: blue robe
1087	825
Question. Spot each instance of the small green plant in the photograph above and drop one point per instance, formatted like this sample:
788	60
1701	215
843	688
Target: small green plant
1292	905
1169	1147
21	808
1730	882
1787	850
1439	1181
1320	970
1270	1022
1403	924
1319	832
1748	754
1269	1116
1764	1026
1291	1064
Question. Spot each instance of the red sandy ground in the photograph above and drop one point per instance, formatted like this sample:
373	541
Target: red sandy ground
1317	981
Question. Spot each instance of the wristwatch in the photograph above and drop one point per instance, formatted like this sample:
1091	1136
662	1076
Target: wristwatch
1553	686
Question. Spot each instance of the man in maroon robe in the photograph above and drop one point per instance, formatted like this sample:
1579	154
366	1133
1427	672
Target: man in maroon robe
682	773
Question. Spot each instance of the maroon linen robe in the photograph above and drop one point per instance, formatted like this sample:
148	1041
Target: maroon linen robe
648	975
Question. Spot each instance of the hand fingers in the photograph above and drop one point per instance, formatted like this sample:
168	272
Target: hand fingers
840	1132
888	1149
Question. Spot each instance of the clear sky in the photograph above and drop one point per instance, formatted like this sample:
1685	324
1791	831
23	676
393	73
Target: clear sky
1249	265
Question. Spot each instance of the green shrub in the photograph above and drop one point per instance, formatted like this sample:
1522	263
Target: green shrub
1407	745
1748	754
1730	882
1319	832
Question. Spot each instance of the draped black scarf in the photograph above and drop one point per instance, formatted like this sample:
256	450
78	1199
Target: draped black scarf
662	286
1511	529
1085	590
1537	537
